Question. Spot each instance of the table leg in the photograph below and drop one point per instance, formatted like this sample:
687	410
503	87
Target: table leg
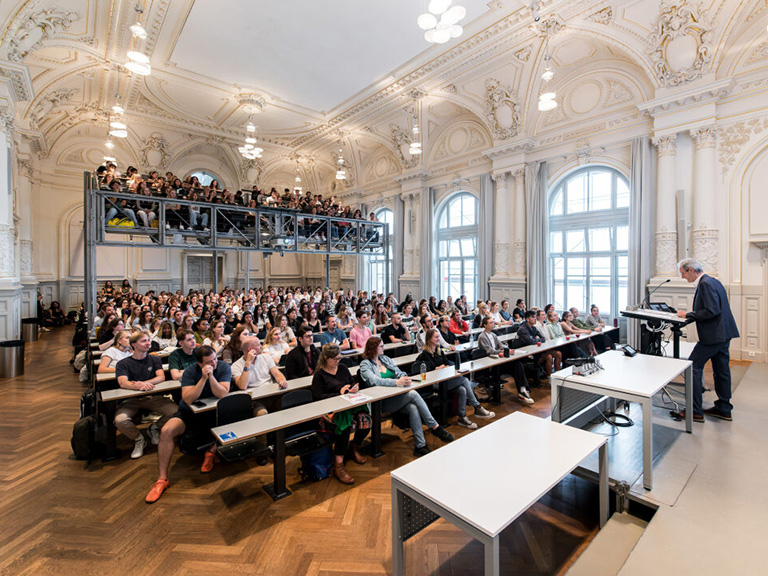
689	399
111	439
647	445
376	431
443	412
278	490
555	398
676	342
492	556
603	484
397	531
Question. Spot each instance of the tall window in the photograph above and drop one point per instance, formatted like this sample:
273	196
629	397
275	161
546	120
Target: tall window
206	177
457	247
380	265
589	240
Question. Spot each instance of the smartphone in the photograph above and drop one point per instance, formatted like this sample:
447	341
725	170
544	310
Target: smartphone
198	404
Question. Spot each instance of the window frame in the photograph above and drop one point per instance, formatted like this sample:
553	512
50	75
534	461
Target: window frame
375	261
448	234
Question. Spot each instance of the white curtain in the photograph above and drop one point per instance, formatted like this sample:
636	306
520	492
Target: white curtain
537	232
642	178
486	235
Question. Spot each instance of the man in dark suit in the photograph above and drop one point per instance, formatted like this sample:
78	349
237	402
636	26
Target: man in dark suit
301	361
716	328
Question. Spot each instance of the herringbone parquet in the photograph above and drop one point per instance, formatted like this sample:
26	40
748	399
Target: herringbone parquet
61	517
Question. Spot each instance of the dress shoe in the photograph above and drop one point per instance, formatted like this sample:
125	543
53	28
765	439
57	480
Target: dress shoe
718	414
341	474
681	416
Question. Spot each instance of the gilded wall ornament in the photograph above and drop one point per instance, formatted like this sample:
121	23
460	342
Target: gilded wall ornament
681	43
501	110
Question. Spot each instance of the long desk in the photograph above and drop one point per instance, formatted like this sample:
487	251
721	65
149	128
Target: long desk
528	470
635	379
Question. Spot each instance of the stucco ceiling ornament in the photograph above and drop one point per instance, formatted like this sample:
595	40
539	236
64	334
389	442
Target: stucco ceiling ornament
604	16
501	109
48	103
401	141
7	124
35	27
760	53
681	43
250	172
154	153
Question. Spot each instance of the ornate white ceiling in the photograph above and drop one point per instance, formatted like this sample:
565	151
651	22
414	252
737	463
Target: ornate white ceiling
309	53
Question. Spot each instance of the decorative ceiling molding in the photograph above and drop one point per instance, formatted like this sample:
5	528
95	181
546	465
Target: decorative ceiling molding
677	20
604	16
501	106
524	144
714	91
154	153
17	78
732	138
29	32
48	103
759	53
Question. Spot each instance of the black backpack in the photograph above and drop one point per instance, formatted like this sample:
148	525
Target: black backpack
88	403
84	439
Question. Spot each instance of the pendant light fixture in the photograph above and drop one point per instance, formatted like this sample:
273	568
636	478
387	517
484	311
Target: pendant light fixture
447	27
250	150
341	173
547	97
138	62
415	147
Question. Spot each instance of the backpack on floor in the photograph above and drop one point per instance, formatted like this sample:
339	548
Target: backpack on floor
84	439
316	465
88	403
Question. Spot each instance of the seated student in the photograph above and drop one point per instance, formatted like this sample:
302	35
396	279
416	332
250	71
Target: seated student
206	378
576	321
112	355
482	312
395	332
594	320
529	335
286	332
490	343
302	360
585	346
458	325
231	321
444	327
329	380
140	371
344	318
505	313
255	369
518	314
274	346
426	325
541	325
360	334
334	334
215	337
380	316
109	330
232	352
314	322
184	356
376	369
434	358
495	313
164	337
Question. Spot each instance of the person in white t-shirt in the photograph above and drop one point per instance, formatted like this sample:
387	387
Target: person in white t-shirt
112	355
255	369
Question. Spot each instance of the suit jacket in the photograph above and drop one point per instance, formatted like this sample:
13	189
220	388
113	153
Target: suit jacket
296	362
712	313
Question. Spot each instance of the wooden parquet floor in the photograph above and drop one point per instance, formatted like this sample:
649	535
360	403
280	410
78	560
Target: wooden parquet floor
61	517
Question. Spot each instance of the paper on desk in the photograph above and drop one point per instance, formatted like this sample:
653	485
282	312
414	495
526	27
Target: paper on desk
356	398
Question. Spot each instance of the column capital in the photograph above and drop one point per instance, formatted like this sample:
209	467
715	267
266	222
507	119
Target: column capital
704	137
665	145
500	176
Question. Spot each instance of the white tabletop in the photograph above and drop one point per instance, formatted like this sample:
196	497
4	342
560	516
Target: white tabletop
122	394
642	375
462	476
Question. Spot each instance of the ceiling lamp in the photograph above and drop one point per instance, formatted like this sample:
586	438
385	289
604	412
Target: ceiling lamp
118	129
341	174
109	144
138	63
109	159
415	148
547	97
251	103
447	27
249	150
137	30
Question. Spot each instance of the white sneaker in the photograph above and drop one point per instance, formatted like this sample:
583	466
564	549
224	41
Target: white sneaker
524	396
138	448
154	434
481	412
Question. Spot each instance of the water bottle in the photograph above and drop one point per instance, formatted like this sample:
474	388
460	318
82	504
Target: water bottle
457	361
423	371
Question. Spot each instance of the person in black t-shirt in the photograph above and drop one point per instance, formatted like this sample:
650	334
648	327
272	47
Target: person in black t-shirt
205	379
395	332
140	371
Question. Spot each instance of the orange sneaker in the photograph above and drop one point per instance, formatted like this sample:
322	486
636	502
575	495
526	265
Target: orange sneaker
157	490
208	463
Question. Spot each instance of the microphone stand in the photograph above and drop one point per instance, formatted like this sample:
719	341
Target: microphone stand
647	299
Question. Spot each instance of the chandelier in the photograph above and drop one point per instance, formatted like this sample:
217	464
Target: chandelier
117	126
297	186
547	97
250	150
415	147
341	174
447	27
138	62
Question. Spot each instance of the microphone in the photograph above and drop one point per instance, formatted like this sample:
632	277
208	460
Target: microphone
647	299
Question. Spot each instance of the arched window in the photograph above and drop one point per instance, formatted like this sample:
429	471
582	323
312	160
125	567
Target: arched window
456	238
206	177
380	265
589	240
